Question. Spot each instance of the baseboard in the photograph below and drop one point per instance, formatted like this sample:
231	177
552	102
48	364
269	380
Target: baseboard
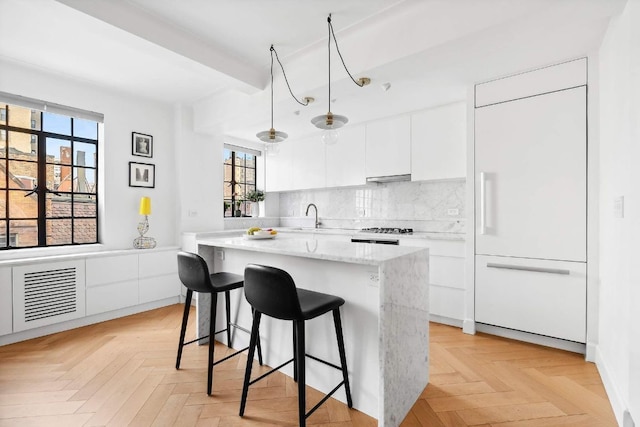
532	338
445	320
84	321
469	326
615	398
591	354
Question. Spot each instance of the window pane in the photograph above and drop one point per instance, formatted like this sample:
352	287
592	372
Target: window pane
58	231
3	115
24	233
56	123
84	154
3	234
21	206
58	151
19	117
23	175
227	208
85	128
251	161
84	206
85	231
240	191
239	174
58	206
227	190
227	172
3	146
227	156
251	176
21	146
3	205
84	180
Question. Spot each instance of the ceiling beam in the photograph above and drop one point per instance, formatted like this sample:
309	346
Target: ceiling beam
127	17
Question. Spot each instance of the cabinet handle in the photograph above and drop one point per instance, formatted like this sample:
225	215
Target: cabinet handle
526	268
483	224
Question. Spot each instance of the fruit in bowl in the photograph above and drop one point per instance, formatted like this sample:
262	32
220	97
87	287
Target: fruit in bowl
253	230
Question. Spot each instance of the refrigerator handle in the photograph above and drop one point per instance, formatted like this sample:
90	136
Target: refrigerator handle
483	223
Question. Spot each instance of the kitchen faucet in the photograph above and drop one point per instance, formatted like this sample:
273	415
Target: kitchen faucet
317	223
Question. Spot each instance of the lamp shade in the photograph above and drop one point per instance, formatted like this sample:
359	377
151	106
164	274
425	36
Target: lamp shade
145	206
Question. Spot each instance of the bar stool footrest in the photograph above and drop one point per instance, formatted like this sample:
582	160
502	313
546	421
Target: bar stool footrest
270	372
230	356
324	399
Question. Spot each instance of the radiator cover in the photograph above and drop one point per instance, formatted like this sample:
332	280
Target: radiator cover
48	293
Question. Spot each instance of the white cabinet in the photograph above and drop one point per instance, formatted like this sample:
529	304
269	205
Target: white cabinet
438	143
158	276
112	283
345	160
6	299
446	278
539	296
279	168
531	202
531	160
308	163
388	147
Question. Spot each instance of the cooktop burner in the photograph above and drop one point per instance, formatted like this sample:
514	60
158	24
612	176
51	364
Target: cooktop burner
387	230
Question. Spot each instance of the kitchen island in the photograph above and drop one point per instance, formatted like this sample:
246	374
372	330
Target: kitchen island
385	317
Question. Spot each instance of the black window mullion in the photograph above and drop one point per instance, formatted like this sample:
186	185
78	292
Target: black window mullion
42	186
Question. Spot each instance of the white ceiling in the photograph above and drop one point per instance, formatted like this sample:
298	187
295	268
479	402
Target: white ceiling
184	51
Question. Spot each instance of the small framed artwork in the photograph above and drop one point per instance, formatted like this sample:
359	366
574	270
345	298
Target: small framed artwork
142	175
141	144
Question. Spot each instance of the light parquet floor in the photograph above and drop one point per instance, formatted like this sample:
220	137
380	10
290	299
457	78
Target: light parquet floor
122	372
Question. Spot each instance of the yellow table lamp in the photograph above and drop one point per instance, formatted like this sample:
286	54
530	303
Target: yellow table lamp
143	242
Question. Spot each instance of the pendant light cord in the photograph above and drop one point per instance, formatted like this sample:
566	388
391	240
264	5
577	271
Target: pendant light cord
331	33
273	50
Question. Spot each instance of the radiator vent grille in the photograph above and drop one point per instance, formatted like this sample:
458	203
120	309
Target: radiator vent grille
49	293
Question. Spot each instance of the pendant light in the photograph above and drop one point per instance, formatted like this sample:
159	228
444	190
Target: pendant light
272	135
330	122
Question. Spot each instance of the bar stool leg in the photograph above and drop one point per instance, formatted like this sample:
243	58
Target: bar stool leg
258	343
343	358
212	333
295	351
228	309
183	331
252	346
300	356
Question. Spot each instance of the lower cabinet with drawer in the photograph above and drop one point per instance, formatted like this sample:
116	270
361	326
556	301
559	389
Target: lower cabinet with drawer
112	283
538	296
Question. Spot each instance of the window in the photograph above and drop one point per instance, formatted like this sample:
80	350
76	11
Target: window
48	178
239	180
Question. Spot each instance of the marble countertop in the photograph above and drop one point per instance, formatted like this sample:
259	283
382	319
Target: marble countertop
358	233
291	245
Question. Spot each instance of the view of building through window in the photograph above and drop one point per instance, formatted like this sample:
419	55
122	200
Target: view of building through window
48	179
239	180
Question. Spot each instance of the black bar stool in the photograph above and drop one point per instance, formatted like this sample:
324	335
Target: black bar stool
194	274
272	292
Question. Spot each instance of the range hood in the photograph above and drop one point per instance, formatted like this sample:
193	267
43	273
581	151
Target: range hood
389	178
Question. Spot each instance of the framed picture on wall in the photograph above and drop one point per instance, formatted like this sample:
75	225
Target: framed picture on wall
142	175
141	144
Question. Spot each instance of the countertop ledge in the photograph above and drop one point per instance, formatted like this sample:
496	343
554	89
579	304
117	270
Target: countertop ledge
344	232
356	253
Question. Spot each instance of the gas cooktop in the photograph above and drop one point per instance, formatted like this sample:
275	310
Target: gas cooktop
387	230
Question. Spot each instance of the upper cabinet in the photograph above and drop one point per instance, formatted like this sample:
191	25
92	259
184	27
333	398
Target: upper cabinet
345	160
388	147
279	168
308	163
438	142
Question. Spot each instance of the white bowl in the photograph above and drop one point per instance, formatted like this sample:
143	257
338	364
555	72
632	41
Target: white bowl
262	233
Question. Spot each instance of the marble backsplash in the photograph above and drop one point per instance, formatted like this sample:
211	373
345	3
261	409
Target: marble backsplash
423	205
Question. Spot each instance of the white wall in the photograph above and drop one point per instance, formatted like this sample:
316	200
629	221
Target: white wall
123	114
618	355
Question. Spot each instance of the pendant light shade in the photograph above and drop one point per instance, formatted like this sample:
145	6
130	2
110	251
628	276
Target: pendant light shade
272	135
331	121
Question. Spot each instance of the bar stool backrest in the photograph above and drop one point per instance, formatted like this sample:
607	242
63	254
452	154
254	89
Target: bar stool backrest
194	273
272	291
